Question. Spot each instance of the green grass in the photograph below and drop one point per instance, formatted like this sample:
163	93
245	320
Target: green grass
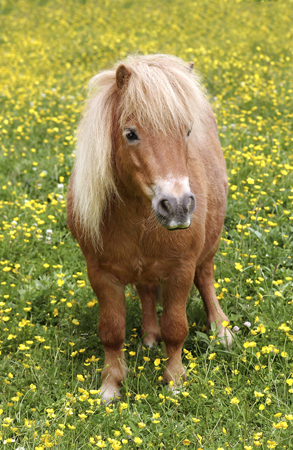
51	355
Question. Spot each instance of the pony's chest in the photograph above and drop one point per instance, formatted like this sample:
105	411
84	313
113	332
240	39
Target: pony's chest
135	269
139	258
140	252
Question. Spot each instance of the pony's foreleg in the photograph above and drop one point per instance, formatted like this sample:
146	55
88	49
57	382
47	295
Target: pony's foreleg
204	281
150	327
174	325
111	330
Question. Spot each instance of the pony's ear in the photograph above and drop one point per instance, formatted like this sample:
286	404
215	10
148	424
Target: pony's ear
190	66
122	76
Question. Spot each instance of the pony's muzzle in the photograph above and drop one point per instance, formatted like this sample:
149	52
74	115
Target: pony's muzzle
174	213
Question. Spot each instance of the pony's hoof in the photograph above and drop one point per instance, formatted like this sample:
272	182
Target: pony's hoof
150	339
225	338
175	390
110	393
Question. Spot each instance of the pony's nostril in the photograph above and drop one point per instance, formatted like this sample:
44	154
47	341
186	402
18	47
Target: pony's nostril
189	204
166	206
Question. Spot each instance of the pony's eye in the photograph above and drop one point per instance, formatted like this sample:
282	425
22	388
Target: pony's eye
131	136
188	132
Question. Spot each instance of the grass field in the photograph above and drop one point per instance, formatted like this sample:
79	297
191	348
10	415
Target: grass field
51	355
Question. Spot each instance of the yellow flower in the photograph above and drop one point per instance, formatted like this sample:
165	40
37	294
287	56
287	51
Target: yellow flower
59	433
258	394
186	442
157	361
278	294
122	406
234	401
127	430
137	440
283	425
80	378
249	344
271	444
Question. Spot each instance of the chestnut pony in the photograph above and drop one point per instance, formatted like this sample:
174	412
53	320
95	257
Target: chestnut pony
146	203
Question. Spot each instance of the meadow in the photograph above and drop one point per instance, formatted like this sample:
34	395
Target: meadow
51	357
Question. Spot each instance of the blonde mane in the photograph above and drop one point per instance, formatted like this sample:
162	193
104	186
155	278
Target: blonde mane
162	94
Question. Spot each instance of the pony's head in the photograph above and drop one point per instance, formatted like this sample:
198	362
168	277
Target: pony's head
137	125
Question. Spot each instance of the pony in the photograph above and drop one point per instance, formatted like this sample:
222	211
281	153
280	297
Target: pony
146	203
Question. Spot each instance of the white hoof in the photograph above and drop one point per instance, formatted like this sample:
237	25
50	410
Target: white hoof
225	337
175	390
109	393
151	339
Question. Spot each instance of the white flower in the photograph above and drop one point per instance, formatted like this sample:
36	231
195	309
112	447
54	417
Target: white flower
247	324
60	185
235	329
49	232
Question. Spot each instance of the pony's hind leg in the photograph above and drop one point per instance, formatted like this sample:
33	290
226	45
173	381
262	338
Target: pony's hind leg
204	281
150	328
111	329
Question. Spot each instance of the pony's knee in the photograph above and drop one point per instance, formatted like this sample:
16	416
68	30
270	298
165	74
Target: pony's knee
174	329
112	332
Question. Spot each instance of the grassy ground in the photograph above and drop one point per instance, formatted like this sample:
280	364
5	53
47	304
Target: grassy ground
51	355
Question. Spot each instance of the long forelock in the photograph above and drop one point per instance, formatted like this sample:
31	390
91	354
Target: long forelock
162	94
